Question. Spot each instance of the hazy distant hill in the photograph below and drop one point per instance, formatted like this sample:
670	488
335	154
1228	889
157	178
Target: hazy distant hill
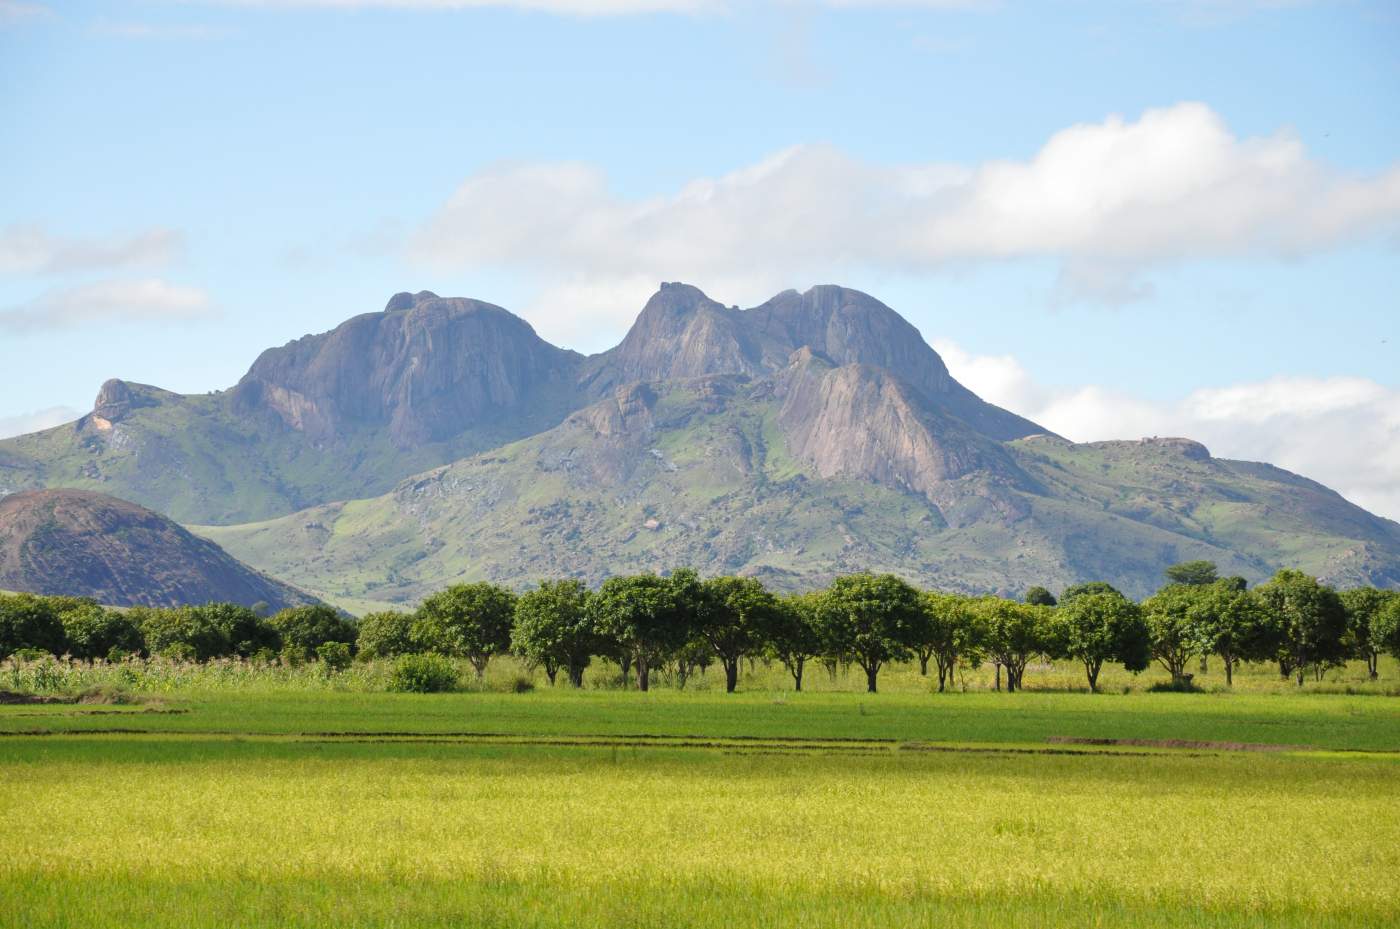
86	544
813	434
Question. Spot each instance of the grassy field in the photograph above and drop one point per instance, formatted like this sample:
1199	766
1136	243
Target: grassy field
331	806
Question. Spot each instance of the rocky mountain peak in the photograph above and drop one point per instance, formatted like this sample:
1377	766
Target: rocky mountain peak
426	371
113	401
407	301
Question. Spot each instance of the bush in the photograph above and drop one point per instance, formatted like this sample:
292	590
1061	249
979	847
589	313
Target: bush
521	684
423	674
334	655
97	633
1183	686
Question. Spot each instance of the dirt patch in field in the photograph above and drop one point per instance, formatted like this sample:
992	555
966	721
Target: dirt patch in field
1177	743
13	698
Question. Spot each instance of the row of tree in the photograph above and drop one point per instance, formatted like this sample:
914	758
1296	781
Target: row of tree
682	623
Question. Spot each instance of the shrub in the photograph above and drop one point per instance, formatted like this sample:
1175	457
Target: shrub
423	674
97	633
1182	686
334	655
521	684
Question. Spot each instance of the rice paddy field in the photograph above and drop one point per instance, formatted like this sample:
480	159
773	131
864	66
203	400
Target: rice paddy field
322	802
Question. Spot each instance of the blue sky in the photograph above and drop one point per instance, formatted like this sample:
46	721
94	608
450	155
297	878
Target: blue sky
1123	218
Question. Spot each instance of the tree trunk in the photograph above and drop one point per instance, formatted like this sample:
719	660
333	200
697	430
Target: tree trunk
942	674
1301	672
871	672
643	674
1229	670
479	664
797	673
998	667
550	671
576	675
1092	669
731	675
923	664
1371	663
626	663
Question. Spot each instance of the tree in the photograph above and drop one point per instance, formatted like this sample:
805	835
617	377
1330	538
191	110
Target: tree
552	628
27	621
735	613
1310	620
791	634
1230	622
1192	573
1039	596
1095	628
93	632
639	613
949	632
386	634
470	621
1013	632
245	632
180	633
1173	630
1088	587
1385	627
1364	606
869	618
304	629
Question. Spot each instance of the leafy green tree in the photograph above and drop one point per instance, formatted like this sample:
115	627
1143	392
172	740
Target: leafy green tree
553	629
1088	587
1230	622
871	619
180	633
27	621
1310	620
386	634
304	629
1175	634
640	614
94	632
470	621
244	630
791	634
1364	606
334	655
1385	627
1192	573
1013	632
1095	628
1039	596
950	631
734	617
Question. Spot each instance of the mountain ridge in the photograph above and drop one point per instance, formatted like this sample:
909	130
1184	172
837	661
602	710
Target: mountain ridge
820	427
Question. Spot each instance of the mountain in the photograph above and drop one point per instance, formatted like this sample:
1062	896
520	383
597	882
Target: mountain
87	544
345	413
813	434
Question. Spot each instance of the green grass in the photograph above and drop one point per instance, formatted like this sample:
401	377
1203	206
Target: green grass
302	799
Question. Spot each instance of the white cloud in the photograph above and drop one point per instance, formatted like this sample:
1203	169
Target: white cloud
1341	431
34	250
18	11
1109	201
33	422
103	302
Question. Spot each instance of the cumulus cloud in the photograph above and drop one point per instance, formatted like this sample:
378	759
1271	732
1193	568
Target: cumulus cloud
26	423
151	299
1341	431
1109	201
35	250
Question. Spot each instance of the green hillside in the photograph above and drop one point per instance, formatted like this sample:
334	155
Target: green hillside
704	476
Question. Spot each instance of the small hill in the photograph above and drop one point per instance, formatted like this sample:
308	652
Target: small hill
87	544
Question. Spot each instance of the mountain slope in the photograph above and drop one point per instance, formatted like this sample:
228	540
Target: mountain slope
719	473
86	544
341	414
